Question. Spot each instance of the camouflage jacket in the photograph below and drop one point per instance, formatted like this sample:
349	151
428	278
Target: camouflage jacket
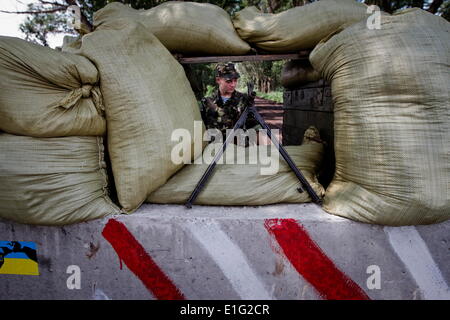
223	115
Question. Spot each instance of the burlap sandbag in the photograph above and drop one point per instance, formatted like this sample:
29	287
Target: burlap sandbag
47	93
147	96
298	72
53	181
183	27
391	119
297	28
244	184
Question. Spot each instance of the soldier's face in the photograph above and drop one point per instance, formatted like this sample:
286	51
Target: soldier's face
226	86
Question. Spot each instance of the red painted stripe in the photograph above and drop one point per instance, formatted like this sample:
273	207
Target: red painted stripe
139	262
312	263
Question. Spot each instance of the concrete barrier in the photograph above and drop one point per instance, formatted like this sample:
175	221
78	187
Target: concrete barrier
271	252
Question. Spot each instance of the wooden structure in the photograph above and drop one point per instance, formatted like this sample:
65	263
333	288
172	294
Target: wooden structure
248	57
310	104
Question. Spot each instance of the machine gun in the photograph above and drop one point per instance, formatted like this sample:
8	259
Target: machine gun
251	109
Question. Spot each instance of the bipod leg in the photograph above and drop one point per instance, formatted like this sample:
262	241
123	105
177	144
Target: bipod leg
201	183
286	157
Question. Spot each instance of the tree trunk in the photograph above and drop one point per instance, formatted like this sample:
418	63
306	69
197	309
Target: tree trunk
417	4
434	6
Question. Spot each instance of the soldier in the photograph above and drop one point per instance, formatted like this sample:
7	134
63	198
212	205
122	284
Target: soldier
223	109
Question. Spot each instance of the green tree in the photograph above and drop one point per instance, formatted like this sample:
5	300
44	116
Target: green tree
37	27
265	74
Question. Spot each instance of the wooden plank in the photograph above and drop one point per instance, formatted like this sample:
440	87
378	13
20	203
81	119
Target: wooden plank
254	57
316	84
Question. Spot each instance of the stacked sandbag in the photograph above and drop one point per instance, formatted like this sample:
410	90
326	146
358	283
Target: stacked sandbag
244	182
147	96
296	73
298	28
52	168
47	93
71	44
182	27
391	98
53	181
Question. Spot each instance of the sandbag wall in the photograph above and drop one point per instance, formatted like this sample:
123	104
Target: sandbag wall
182	27
144	95
298	28
52	168
160	100
391	119
55	172
240	181
390	88
147	96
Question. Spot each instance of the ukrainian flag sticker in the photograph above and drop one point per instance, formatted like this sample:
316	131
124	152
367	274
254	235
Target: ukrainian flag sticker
18	257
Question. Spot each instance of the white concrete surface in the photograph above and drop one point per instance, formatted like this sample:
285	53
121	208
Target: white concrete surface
227	253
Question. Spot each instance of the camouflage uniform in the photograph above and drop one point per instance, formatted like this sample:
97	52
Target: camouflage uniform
223	115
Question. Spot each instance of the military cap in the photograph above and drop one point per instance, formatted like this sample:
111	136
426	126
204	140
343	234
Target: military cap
226	70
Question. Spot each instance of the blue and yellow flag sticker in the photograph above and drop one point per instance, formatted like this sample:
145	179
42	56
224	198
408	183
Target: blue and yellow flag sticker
18	257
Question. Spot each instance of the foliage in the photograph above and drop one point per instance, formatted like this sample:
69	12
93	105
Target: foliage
265	74
201	78
210	90
444	10
37	27
276	96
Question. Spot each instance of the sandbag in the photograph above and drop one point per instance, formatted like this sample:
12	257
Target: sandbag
390	89
71	44
147	96
233	183
47	93
298	72
182	27
53	181
298	28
